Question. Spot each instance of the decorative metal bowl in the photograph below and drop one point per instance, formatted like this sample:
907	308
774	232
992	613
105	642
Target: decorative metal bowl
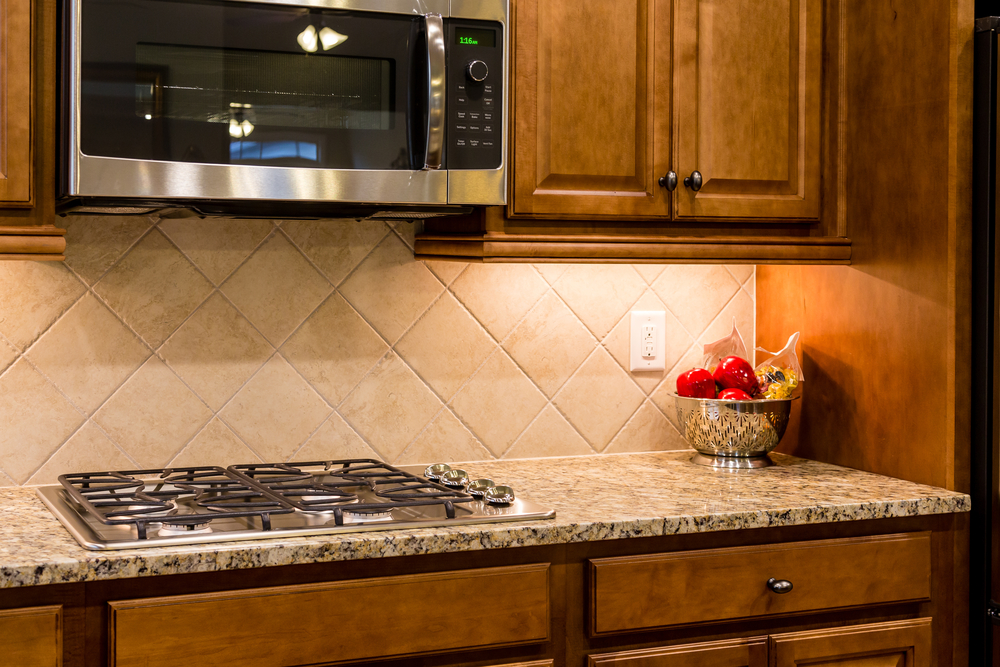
733	434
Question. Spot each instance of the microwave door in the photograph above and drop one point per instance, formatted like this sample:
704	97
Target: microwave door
188	100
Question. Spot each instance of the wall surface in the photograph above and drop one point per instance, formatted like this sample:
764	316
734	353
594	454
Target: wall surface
190	342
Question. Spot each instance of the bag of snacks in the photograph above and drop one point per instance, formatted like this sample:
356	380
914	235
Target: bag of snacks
780	373
730	346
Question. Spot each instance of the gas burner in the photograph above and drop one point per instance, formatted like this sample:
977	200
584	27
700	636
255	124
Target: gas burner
175	529
350	516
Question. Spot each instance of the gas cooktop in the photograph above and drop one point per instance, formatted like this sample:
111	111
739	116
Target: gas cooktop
191	505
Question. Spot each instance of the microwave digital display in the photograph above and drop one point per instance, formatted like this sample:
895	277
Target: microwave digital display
474	37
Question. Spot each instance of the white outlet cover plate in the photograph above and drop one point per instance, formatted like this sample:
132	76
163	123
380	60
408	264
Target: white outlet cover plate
658	319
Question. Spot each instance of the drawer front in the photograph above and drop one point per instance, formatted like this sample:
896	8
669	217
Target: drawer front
336	622
641	592
31	637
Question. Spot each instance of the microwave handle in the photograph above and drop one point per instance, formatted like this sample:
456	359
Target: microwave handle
435	90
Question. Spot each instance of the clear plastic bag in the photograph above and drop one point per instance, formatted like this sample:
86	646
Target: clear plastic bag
731	345
780	374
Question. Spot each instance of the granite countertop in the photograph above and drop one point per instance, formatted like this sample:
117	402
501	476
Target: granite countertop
665	495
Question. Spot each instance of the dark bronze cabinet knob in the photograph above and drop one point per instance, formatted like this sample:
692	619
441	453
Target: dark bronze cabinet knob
669	181
693	181
779	586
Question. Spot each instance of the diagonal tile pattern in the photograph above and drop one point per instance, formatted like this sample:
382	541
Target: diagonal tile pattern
165	331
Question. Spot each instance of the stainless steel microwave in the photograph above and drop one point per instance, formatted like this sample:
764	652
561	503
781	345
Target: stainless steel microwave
284	108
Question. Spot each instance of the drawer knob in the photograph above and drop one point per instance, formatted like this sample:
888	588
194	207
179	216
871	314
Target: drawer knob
693	181
669	181
779	586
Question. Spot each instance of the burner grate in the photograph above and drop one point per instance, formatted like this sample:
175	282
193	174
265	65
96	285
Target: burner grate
325	486
144	497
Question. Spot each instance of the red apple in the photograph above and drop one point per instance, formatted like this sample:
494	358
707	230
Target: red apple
734	395
696	383
736	373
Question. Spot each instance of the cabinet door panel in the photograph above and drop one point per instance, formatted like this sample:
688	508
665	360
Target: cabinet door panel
747	116
15	103
31	637
591	107
894	644
729	653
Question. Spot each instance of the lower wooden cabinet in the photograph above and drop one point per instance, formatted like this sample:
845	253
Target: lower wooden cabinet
347	621
891	644
31	637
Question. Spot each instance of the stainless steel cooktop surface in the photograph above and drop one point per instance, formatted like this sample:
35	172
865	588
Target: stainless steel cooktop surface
198	505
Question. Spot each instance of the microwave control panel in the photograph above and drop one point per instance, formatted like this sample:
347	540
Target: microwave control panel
475	94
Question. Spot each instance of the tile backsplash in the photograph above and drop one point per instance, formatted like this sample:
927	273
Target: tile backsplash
187	342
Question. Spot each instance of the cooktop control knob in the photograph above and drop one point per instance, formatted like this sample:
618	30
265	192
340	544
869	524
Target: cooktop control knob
477	71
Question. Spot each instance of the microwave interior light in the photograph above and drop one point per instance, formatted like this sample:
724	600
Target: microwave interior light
308	39
330	38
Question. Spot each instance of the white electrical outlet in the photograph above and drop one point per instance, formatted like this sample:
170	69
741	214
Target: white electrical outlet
647	347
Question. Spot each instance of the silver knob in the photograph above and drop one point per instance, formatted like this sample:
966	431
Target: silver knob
779	586
499	495
454	478
434	471
479	487
477	70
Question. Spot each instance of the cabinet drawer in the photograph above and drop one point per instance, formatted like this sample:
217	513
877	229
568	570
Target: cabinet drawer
31	637
335	622
641	592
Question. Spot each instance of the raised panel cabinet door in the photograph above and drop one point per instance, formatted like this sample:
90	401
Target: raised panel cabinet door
729	653
591	108
747	108
15	103
892	644
31	637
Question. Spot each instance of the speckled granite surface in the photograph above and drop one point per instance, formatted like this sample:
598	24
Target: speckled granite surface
667	495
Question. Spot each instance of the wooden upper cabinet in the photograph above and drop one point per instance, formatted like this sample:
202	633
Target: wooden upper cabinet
591	108
16	103
747	98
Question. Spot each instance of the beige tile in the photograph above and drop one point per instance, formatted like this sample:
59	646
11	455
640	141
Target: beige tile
34	294
215	445
407	230
36	419
336	246
218	246
649	272
276	412
498	403
88	353
499	295
676	341
390	407
390	289
599	399
695	294
445	346
444	441
216	351
750	286
277	288
94	244
153	415
647	431
8	355
334	349
741	308
334	440
5	480
153	288
552	272
742	272
550	343
549	435
445	271
600	294
89	450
